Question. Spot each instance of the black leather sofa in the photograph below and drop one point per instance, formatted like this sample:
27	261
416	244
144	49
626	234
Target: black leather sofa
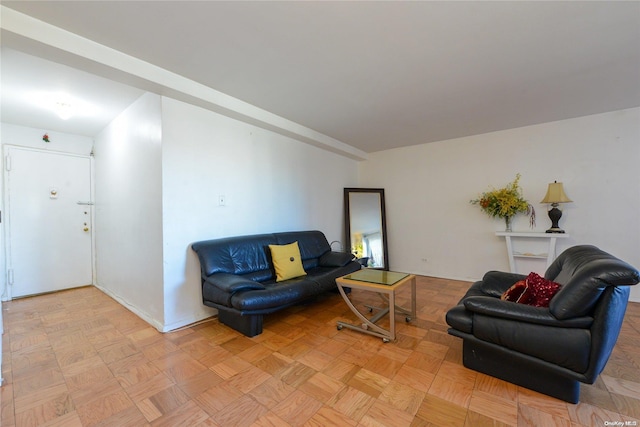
238	275
547	349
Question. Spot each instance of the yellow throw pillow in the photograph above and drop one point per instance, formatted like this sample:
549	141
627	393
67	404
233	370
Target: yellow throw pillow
287	261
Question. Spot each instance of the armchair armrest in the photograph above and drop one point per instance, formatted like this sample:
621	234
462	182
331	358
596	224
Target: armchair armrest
232	283
335	259
493	307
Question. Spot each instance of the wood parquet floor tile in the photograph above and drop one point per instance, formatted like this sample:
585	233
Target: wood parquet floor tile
78	358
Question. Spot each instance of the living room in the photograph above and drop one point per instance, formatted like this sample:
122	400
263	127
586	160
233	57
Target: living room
158	186
192	155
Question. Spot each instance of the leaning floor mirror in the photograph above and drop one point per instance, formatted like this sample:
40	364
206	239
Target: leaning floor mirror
365	226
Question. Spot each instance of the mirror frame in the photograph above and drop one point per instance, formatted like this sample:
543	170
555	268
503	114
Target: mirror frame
347	221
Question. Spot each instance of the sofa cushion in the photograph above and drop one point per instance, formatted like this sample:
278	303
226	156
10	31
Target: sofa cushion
335	259
235	255
567	347
494	307
313	244
275	295
287	261
292	291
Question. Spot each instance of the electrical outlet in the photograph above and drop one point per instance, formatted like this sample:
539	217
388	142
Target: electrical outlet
222	200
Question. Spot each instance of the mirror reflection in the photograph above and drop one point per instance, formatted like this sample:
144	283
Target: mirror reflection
365	226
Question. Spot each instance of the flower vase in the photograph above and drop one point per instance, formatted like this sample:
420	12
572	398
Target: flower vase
507	222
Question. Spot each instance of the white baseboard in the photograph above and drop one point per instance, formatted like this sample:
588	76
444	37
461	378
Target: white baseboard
421	273
196	317
135	310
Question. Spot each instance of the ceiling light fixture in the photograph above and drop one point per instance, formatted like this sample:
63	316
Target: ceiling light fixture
64	105
64	110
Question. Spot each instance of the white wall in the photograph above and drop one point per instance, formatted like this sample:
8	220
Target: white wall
128	209
270	182
428	189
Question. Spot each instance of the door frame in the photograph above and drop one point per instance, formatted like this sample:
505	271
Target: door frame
6	294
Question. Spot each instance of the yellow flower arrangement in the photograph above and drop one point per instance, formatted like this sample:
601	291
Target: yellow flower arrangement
506	202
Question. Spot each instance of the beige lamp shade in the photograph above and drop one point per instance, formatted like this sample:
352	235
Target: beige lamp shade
555	194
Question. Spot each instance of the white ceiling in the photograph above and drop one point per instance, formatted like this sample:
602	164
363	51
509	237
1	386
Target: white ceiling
374	75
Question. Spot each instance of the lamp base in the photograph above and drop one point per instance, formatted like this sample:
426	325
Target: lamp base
555	230
554	215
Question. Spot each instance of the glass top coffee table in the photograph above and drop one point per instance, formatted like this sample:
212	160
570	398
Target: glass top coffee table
385	283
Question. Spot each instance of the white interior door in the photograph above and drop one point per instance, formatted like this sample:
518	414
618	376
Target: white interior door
49	234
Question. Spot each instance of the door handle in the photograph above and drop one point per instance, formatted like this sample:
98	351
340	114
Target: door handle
86	203
85	229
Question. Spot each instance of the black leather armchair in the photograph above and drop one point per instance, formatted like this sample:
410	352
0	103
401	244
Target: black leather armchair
547	349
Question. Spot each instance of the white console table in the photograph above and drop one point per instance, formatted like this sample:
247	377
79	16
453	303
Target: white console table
511	237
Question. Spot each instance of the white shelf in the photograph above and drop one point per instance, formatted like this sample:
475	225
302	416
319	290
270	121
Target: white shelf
525	255
532	234
549	256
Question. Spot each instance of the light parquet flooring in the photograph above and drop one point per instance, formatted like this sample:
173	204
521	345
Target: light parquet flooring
78	358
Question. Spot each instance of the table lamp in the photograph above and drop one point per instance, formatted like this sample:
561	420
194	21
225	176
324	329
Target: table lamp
555	195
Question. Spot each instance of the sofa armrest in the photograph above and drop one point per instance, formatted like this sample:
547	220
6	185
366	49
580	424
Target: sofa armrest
232	283
335	259
495	283
493	307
